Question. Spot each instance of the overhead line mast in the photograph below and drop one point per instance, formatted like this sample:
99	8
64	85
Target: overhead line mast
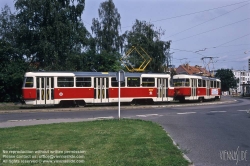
210	60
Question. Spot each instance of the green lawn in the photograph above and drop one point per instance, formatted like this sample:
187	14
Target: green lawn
105	142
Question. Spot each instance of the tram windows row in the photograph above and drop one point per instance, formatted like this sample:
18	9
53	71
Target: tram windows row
87	82
201	83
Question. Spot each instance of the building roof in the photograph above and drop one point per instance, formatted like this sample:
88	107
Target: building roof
192	70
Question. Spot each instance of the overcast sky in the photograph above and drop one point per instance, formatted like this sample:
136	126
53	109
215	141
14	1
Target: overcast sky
197	28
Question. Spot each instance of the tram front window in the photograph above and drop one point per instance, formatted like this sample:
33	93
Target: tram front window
181	82
28	82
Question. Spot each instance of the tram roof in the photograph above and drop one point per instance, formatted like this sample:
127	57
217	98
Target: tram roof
194	76
92	74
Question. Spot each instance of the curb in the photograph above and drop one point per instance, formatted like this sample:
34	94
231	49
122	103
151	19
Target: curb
75	109
184	155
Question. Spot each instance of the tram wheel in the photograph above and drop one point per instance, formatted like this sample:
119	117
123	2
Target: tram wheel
200	99
182	100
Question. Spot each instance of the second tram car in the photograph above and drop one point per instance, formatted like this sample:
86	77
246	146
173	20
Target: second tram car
194	87
51	88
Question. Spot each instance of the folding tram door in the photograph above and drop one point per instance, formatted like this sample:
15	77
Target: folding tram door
193	88
162	89
101	85
208	89
45	90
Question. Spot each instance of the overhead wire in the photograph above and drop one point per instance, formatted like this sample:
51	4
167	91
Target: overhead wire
232	40
210	30
188	14
221	45
234	45
207	21
185	50
228	52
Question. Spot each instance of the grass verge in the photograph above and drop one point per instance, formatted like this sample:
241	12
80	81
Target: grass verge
14	106
106	142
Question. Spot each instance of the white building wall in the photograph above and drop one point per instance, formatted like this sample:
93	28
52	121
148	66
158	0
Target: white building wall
244	78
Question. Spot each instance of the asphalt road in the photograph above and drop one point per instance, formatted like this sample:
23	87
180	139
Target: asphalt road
210	134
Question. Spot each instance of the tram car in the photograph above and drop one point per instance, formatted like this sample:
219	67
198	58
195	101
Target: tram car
80	88
194	87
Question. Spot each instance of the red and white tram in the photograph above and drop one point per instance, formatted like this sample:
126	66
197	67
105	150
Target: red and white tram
194	87
51	88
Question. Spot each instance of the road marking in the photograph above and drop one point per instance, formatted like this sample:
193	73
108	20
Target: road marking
13	120
141	115
242	110
218	111
147	115
127	117
186	113
108	117
22	120
151	114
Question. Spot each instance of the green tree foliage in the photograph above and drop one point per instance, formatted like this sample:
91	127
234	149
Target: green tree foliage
227	79
45	34
51	32
50	35
107	40
12	64
145	36
106	28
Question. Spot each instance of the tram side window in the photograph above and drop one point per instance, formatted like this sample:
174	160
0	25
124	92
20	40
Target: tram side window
65	81
211	84
83	81
218	84
28	82
148	82
114	83
204	83
181	82
133	81
199	83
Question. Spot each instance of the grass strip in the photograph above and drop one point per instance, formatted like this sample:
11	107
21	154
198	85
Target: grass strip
105	142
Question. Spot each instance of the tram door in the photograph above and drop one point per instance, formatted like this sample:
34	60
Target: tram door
208	87
101	90
162	89
45	90
193	88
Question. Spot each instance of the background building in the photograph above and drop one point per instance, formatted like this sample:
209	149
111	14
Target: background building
243	83
187	69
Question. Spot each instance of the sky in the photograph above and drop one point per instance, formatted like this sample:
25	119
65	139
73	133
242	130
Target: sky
213	34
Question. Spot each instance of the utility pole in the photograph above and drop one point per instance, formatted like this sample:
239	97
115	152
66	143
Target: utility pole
207	63
168	60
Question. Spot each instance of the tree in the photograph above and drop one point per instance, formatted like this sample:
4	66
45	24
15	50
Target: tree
51	32
227	79
107	40
145	36
12	63
106	28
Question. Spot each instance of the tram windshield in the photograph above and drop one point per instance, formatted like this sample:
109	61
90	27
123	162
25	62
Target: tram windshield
181	82
28	82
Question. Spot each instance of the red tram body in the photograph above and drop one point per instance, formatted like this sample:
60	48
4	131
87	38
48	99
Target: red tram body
51	88
192	87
